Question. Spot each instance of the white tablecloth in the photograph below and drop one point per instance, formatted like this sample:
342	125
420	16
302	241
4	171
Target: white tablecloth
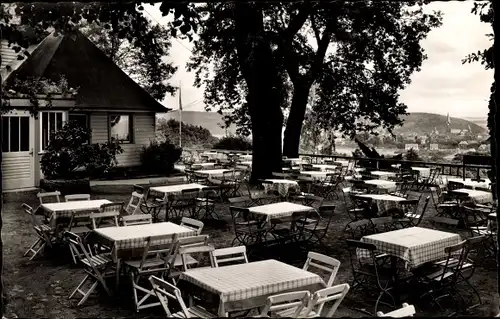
279	210
315	175
422	171
282	186
388	186
469	183
176	189
415	245
382	174
479	197
212	172
326	167
81	208
236	283
384	202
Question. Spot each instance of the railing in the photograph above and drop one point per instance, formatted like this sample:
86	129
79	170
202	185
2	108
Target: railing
452	169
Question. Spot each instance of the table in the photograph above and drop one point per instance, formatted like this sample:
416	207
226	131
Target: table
125	239
247	157
469	183
295	161
382	175
176	189
65	209
247	286
388	186
214	155
384	202
282	186
204	165
415	245
478	197
342	163
422	171
212	172
279	210
316	175
326	167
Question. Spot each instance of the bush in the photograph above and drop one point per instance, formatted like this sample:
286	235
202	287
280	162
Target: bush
236	143
412	155
159	157
192	135
69	151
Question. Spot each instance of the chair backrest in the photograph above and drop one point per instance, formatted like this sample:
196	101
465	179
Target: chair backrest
163	245
164	291
321	297
297	300
323	262
139	219
192	241
239	215
193	224
424	209
29	210
242	200
134	204
188	194
75	197
383	224
230	255
405	311
366	256
80	250
44	197
454	261
138	189
359	228
109	211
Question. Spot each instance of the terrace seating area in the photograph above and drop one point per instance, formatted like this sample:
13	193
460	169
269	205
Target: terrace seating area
210	244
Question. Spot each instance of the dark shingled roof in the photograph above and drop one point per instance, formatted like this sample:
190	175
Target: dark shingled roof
102	84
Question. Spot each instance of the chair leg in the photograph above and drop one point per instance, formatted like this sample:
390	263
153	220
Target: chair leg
87	295
77	289
31	249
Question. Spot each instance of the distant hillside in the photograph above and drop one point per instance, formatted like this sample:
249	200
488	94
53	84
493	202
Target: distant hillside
208	120
421	123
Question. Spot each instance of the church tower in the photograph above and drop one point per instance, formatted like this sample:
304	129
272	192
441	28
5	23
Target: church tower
448	122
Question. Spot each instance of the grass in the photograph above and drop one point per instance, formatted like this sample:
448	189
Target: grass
40	288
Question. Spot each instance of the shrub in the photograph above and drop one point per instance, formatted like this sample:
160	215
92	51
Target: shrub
192	135
236	143
159	157
412	155
69	151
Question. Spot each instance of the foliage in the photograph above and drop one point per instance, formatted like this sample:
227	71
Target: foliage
358	153
159	157
236	143
69	151
458	158
192	135
389	42
36	89
146	67
412	155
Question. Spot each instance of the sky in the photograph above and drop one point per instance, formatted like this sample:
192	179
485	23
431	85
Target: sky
444	85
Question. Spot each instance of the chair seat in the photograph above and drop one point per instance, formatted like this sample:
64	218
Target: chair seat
482	231
452	262
153	262
291	311
43	228
412	215
194	312
438	275
97	260
80	230
307	221
189	260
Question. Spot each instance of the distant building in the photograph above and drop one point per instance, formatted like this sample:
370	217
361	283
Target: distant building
410	146
434	147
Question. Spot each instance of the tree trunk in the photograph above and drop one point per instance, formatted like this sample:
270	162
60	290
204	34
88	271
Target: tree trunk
291	141
264	96
496	120
2	299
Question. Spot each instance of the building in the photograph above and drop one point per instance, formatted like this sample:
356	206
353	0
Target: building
109	102
410	146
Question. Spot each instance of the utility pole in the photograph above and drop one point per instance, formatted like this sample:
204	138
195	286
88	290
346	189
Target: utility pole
180	115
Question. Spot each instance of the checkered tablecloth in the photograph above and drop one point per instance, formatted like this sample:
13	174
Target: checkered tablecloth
382	175
253	281
478	197
125	239
415	245
469	183
282	186
176	189
279	210
212	172
82	208
318	176
388	186
384	202
326	167
422	171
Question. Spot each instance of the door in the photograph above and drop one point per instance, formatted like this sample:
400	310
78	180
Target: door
18	161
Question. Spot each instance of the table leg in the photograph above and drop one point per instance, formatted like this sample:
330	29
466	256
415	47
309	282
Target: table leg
118	267
394	261
222	311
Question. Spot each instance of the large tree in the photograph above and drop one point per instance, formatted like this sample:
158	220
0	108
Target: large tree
359	64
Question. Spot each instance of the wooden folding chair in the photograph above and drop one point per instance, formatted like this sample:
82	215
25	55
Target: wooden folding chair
229	255
186	260
323	262
289	304
75	197
108	213
158	258
43	197
406	311
45	234
321	297
95	265
315	229
165	291
139	219
193	224
80	231
134	204
208	197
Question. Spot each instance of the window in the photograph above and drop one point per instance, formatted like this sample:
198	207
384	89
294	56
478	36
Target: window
51	122
15	134
120	128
